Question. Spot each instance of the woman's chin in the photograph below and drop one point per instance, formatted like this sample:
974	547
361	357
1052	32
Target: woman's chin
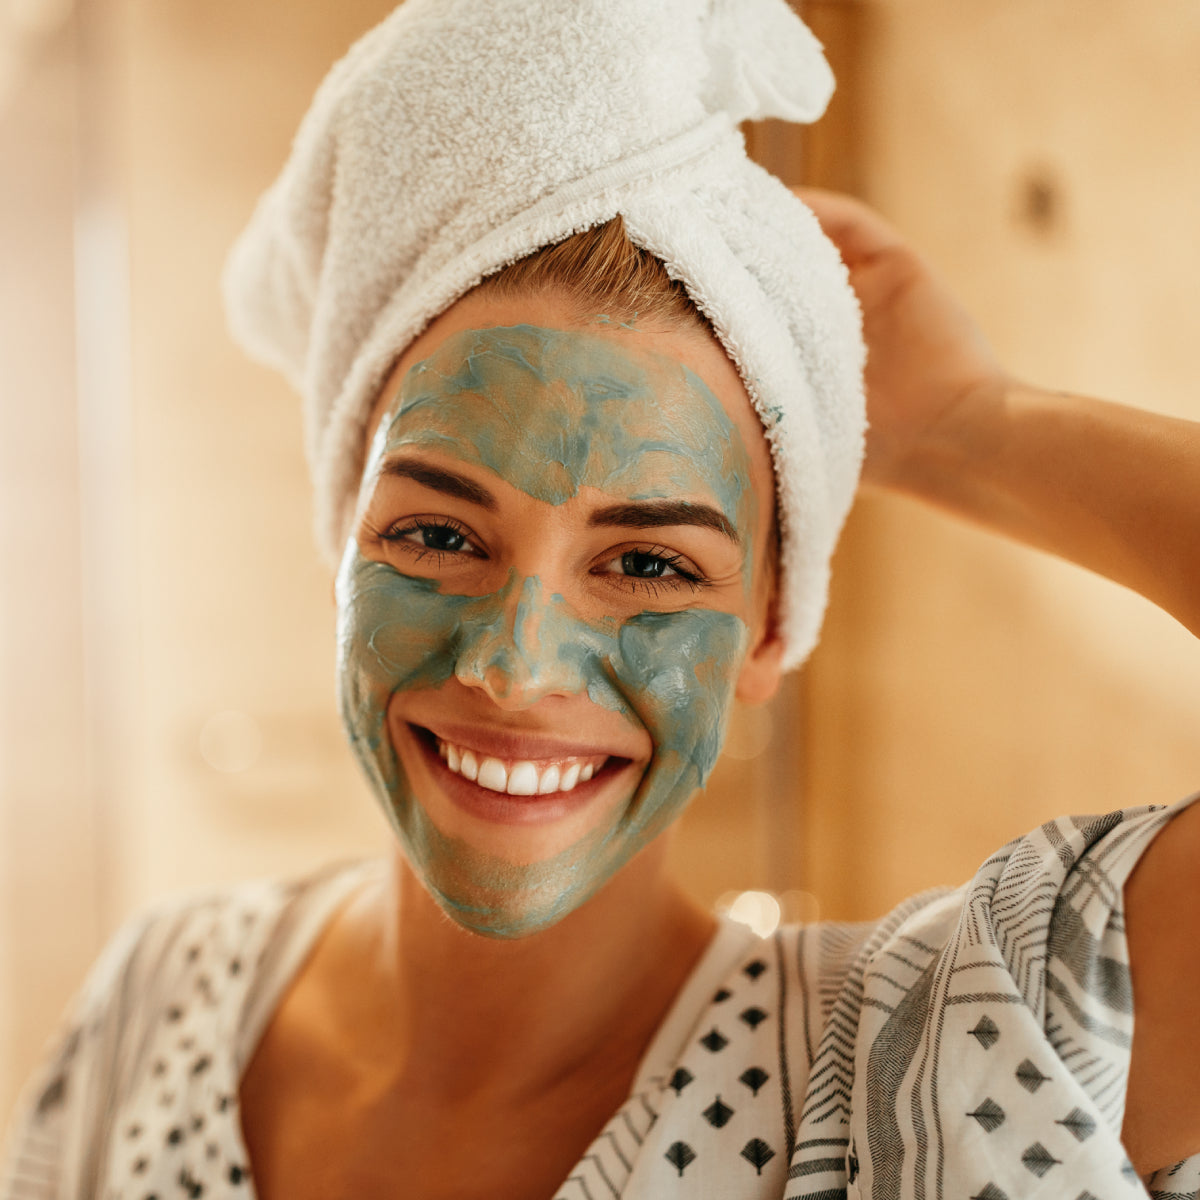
502	917
505	865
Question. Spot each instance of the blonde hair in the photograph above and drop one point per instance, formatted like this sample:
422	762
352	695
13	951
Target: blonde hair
602	271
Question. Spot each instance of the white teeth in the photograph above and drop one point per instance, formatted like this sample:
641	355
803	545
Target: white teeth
523	779
492	775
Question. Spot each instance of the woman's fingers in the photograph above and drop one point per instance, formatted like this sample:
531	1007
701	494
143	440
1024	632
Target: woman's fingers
925	353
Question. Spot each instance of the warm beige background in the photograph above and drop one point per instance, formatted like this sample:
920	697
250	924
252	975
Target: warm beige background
162	609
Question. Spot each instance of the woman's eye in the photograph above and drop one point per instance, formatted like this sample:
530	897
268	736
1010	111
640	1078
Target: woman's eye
656	568
437	537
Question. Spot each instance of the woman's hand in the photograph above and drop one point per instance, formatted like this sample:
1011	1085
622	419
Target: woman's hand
925	355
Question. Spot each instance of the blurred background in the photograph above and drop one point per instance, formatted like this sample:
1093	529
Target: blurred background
166	649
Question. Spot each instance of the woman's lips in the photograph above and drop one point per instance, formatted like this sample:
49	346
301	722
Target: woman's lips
501	791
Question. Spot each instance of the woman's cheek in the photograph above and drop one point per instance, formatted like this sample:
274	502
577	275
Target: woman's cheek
394	634
679	672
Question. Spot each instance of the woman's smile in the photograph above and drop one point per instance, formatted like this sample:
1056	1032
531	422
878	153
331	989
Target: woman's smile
496	775
507	773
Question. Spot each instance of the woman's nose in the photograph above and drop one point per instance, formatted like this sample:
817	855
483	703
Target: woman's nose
518	648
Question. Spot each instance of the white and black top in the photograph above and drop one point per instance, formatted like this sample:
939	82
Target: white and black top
972	1045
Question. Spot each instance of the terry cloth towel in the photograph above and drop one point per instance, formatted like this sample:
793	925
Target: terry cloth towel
461	135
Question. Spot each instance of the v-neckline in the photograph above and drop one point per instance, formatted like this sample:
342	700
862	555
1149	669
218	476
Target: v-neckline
727	944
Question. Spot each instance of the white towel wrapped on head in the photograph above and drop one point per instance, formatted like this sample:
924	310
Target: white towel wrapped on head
461	135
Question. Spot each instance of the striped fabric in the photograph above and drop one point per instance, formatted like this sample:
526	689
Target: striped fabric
972	1045
981	1048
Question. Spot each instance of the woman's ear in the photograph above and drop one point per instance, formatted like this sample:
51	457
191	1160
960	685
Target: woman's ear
762	671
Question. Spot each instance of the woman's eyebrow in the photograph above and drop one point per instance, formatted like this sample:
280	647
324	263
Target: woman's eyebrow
440	480
650	514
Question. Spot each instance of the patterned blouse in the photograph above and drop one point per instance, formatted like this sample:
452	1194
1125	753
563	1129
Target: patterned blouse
972	1045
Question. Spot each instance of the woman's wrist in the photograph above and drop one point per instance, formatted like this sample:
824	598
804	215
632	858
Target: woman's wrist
947	462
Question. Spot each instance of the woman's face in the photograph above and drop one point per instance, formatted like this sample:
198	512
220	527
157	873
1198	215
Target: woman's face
559	579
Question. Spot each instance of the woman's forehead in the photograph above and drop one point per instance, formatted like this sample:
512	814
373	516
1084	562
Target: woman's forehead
554	410
686	346
690	345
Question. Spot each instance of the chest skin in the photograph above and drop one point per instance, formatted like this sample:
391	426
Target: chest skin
314	1131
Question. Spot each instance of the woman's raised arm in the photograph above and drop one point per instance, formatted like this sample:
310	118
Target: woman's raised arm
1112	488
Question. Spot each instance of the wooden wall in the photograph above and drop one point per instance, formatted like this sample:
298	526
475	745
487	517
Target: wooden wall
166	628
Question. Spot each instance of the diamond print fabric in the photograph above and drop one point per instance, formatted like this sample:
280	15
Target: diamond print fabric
726	1118
139	1098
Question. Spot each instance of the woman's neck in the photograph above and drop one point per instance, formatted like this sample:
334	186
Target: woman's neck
451	1013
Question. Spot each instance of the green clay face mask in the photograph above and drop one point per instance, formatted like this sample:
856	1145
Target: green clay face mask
548	412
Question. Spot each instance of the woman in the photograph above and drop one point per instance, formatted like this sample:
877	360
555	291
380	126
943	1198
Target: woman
563	563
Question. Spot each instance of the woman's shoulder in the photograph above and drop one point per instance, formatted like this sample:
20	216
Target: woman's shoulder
1045	898
165	1012
1008	1000
1089	857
